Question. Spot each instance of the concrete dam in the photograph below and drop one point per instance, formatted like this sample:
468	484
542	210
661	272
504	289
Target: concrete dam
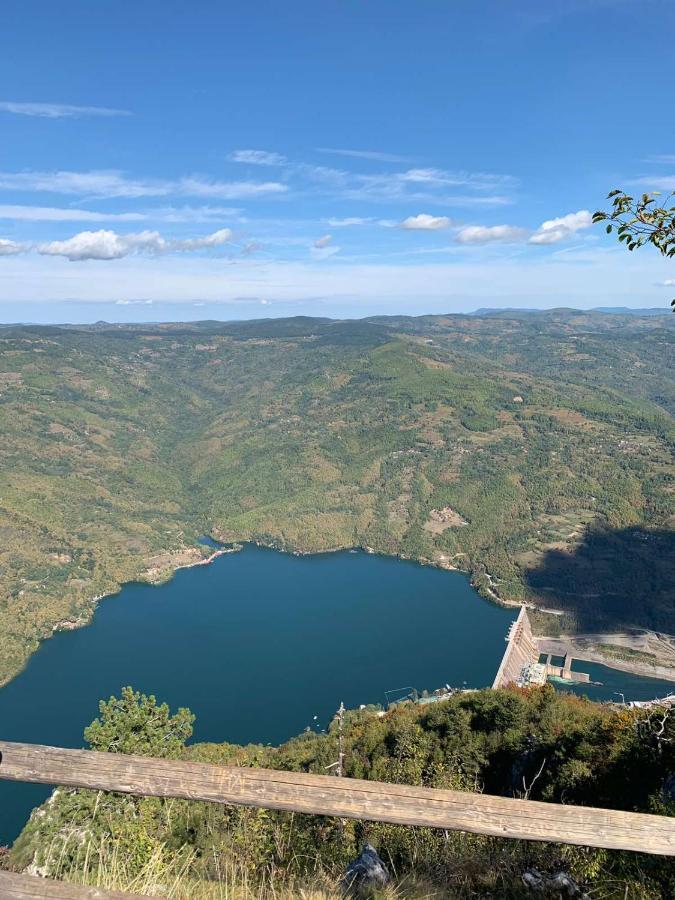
521	664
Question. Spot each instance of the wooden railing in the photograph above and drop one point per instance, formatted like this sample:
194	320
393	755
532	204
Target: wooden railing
342	797
28	887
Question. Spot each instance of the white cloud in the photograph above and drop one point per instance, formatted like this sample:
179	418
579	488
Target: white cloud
102	245
550	232
365	154
257	157
11	248
662	159
134	302
107	245
323	241
485	234
425	222
555	230
116	184
58	110
669	282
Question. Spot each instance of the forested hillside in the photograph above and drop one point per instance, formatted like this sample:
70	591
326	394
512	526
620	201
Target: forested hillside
500	445
536	743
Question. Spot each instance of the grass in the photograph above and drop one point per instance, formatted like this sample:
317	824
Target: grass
166	875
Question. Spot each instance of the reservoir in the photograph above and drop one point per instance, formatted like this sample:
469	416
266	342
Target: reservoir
261	645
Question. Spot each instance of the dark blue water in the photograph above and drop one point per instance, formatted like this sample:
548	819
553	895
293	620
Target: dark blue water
257	644
611	684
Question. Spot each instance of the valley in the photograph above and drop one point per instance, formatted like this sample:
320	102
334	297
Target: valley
533	451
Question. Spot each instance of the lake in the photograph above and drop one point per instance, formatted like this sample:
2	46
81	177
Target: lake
261	645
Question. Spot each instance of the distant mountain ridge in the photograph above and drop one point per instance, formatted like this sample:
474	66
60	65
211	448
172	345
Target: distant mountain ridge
618	310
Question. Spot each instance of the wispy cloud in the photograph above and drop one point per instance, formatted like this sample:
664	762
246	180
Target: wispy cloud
428	186
656	182
431	186
350	220
419	185
439	177
56	214
365	154
58	110
69	214
191	213
108	245
425	222
257	157
323	247
106	183
662	159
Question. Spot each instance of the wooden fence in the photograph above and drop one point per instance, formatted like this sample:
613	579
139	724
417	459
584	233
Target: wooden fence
330	796
28	887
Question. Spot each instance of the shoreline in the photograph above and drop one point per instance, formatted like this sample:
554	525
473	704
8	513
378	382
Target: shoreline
90	605
208	559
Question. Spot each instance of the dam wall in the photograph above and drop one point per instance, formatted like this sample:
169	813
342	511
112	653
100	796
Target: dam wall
521	658
520	664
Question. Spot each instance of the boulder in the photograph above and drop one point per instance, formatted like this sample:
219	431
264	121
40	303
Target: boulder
366	874
556	886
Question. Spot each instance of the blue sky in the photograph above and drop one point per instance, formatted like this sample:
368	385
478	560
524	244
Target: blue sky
340	157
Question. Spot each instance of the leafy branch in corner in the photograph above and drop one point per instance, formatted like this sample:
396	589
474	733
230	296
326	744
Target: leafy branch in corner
639	222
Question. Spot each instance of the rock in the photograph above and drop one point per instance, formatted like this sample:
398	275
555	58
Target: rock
668	788
366	874
560	885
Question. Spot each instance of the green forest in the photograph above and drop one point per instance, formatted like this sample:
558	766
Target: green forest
533	743
533	450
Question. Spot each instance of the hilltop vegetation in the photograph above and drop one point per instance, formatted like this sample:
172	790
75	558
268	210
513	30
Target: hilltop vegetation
535	743
486	443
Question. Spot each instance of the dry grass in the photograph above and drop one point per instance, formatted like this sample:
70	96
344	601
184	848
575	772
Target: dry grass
164	874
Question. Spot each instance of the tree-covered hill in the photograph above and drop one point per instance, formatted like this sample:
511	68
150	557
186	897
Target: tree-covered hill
486	443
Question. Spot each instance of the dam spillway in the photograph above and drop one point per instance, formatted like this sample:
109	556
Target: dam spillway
520	664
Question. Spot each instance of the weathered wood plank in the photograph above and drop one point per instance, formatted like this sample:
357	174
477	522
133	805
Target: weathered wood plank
27	887
342	797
